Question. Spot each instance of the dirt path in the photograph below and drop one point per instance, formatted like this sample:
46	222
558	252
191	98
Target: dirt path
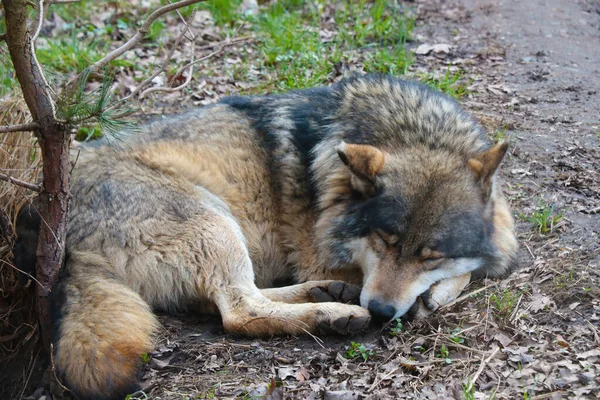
535	67
553	66
535	70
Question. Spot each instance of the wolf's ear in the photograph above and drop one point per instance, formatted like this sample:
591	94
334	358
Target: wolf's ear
484	165
364	161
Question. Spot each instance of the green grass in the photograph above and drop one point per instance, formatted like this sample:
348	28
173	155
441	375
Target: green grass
445	354
70	54
358	350
544	218
394	60
504	301
291	50
499	135
397	327
468	391
450	83
224	12
295	56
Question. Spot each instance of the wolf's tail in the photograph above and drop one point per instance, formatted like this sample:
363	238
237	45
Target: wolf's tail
102	328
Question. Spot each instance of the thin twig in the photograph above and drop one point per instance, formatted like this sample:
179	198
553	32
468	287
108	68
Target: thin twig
31	126
155	74
168	89
484	362
466	296
40	21
18	182
220	50
450	343
22	272
140	34
66	389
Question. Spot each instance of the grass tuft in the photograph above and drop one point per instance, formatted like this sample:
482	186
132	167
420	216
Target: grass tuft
544	218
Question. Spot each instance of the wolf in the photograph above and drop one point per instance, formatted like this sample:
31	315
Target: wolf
373	181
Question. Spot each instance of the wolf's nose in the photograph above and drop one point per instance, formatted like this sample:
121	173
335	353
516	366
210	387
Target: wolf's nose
381	312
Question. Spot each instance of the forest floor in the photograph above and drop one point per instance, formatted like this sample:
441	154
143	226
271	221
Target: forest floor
528	70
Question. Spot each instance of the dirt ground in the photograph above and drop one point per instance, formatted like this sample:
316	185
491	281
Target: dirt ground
535	71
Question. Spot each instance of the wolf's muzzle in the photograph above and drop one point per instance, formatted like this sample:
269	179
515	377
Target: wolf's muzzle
381	312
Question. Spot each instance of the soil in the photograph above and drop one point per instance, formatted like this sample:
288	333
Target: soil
535	70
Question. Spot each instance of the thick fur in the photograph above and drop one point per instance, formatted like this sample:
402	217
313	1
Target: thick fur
374	181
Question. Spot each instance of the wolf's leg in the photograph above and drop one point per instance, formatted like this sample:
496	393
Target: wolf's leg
315	291
226	277
503	237
440	294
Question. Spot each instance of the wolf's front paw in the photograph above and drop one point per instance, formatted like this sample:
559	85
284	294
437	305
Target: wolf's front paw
336	291
356	322
440	294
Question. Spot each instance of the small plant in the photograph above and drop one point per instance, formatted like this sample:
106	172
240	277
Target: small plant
544	218
358	350
393	61
450	83
455	336
211	393
224	12
468	390
503	302
499	135
145	358
137	396
445	354
396	330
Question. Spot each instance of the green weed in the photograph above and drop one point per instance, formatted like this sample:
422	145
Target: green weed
393	61
396	330
449	83
145	358
504	302
445	354
468	391
224	12
455	336
499	135
358	350
544	218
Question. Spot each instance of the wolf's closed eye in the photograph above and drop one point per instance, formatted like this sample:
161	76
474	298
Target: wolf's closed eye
430	258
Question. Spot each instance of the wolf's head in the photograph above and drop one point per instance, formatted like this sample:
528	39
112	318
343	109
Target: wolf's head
413	217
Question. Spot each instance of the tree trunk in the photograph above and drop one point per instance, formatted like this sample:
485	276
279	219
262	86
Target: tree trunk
54	139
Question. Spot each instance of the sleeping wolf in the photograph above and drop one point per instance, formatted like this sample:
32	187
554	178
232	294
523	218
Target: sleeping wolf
374	180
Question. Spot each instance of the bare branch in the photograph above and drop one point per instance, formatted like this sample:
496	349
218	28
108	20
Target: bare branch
140	34
31	126
190	74
169	89
18	182
193	62
156	73
222	47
